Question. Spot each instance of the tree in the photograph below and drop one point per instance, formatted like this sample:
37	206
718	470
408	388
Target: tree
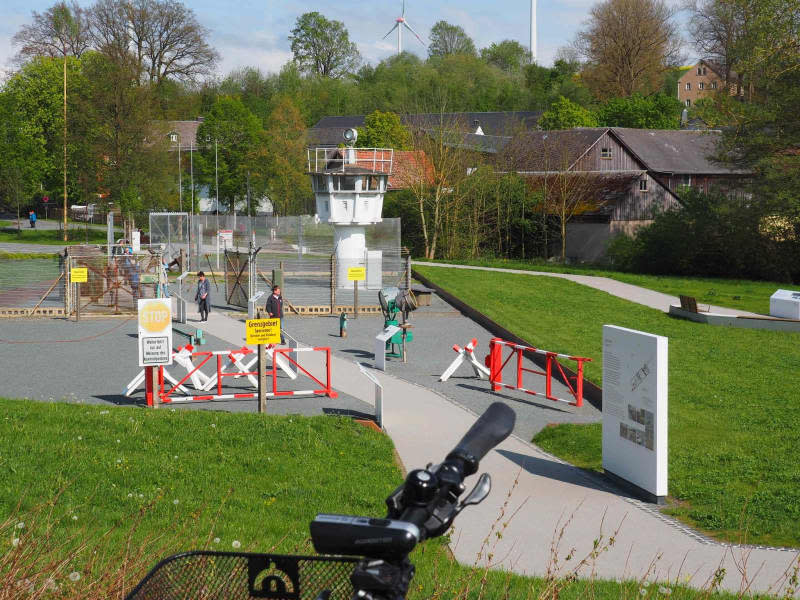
564	114
230	135
714	27
508	55
449	39
435	177
323	47
628	45
658	111
60	31
163	36
24	160
283	151
384	130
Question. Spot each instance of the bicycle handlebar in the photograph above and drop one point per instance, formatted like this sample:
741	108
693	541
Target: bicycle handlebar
491	428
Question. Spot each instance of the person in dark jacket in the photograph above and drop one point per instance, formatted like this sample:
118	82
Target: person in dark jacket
203	296
274	307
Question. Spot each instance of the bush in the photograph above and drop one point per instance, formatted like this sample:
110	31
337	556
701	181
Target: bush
711	235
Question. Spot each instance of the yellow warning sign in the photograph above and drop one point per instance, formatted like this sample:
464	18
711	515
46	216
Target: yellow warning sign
154	315
79	275
263	331
356	273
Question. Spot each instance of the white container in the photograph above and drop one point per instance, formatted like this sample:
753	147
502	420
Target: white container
785	304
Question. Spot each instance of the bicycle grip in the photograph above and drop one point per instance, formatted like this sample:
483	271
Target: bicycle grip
491	428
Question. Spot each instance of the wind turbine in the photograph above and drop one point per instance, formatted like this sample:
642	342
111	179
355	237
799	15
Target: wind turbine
400	23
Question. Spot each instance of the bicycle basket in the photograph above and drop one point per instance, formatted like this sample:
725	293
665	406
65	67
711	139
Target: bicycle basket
242	576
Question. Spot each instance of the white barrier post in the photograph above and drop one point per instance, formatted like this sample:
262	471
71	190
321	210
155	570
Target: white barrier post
378	394
480	370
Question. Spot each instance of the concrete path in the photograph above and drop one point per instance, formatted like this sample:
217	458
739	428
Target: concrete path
545	495
34	248
627	291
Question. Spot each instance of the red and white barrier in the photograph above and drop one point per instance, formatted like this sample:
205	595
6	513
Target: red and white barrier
280	357
466	353
574	383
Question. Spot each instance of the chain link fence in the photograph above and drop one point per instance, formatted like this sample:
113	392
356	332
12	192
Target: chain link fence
32	287
301	247
114	282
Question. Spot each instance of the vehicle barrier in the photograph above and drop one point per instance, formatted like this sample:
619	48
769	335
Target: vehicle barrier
467	351
495	362
280	355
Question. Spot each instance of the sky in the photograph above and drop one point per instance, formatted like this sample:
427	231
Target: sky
249	33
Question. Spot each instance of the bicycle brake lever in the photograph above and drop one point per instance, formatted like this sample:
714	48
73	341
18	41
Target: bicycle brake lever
478	493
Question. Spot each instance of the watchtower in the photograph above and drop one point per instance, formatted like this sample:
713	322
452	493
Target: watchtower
349	184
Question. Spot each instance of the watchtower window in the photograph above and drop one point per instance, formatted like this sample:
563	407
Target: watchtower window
346	184
370	183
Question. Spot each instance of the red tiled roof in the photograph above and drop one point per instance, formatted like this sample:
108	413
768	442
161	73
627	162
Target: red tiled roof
407	166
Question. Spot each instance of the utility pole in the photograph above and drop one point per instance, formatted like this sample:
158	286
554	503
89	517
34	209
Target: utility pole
180	183
191	173
216	175
65	145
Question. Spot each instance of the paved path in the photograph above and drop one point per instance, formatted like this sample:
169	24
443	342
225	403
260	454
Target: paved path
26	248
627	291
425	425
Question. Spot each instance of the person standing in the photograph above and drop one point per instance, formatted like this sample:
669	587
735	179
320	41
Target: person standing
164	277
32	219
274	307
203	296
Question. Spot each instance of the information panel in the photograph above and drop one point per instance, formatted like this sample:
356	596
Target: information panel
356	273
263	331
155	332
79	274
635	409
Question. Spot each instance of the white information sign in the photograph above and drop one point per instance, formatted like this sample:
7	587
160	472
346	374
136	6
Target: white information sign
635	409
785	304
380	345
155	332
136	241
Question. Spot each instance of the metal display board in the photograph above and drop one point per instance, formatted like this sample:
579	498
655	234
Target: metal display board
635	381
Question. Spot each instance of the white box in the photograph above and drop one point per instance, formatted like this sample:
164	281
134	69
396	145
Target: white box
635	410
785	304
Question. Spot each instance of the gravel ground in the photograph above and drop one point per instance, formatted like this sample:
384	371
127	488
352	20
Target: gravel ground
436	329
92	361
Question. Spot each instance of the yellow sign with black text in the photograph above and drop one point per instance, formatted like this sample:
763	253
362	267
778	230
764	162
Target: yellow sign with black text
79	274
356	273
263	331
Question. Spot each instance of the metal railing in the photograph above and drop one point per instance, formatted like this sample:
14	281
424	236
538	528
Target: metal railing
335	160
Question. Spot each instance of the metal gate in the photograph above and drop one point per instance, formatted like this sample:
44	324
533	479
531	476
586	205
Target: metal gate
114	282
237	278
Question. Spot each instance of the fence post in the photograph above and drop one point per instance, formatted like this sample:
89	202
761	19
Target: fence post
355	299
333	283
408	272
495	364
262	372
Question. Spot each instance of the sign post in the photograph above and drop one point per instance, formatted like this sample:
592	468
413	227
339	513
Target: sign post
78	275
635	382
260	331
356	274
155	342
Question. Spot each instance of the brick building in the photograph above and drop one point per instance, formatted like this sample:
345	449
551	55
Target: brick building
701	80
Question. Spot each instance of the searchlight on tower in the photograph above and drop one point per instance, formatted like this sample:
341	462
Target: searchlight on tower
349	185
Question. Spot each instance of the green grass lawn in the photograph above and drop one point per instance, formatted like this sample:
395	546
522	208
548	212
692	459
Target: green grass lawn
734	427
51	236
189	479
752	296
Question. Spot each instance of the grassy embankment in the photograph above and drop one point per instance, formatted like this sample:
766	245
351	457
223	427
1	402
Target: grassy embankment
101	494
52	236
752	296
734	427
